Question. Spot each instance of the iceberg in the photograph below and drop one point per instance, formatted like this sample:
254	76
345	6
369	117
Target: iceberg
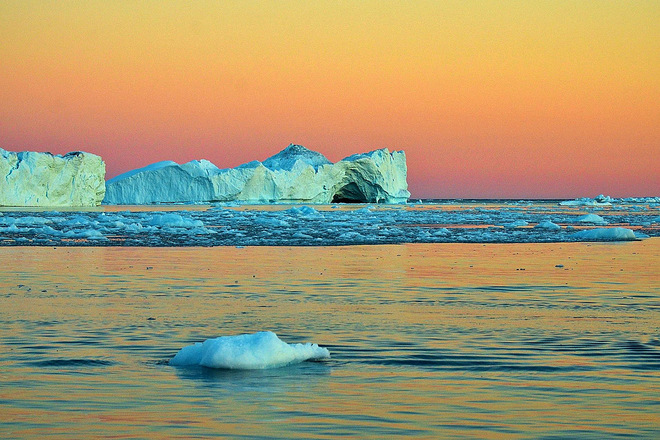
247	352
294	175
42	179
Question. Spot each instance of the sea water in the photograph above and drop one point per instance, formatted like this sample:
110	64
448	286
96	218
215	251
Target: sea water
445	340
231	224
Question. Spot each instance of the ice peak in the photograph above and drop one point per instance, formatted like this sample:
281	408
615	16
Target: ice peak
286	159
297	149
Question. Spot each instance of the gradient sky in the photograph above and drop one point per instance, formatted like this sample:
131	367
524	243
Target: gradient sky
518	99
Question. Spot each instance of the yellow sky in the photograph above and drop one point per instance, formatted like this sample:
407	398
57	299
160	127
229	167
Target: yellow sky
513	98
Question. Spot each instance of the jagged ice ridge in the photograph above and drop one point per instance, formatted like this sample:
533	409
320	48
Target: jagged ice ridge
294	175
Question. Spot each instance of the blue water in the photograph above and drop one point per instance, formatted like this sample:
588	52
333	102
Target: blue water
542	340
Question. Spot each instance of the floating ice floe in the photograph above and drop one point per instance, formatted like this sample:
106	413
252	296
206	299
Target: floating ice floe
247	352
516	224
548	225
303	211
592	218
606	234
172	220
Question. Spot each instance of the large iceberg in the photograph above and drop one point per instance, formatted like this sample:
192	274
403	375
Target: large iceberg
42	179
294	175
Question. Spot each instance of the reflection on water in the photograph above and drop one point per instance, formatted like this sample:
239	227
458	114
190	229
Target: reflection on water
487	341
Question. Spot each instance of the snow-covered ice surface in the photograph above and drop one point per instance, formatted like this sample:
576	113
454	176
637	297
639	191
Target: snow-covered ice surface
255	351
234	224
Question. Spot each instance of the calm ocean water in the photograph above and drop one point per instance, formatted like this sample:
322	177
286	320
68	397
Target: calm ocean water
537	340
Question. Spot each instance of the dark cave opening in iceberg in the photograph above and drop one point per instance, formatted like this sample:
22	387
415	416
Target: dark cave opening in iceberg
349	193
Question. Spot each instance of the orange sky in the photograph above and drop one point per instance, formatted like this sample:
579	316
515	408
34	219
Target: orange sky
515	99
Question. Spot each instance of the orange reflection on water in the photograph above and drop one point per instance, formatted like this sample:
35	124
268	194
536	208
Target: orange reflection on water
427	340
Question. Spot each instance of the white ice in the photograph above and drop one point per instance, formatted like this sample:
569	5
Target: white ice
548	225
606	234
172	220
296	174
516	224
247	352
592	218
30	178
600	200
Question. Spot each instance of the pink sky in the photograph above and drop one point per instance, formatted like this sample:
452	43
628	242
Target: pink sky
517	100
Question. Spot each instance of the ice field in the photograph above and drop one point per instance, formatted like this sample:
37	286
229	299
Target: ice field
452	221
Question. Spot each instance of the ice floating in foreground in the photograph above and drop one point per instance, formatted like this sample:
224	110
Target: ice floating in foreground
247	352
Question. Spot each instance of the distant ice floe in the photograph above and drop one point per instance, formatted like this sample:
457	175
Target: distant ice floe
593	219
516	224
605	201
606	234
548	226
247	352
600	200
233	224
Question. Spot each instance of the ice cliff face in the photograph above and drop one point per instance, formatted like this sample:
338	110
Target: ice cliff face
295	175
43	179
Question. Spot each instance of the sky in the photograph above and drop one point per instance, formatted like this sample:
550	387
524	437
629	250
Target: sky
489	99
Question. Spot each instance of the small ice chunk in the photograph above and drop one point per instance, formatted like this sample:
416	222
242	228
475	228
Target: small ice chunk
548	225
77	220
247	352
271	222
592	218
600	200
171	220
303	211
47	230
606	234
10	229
30	221
516	224
90	234
350	235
